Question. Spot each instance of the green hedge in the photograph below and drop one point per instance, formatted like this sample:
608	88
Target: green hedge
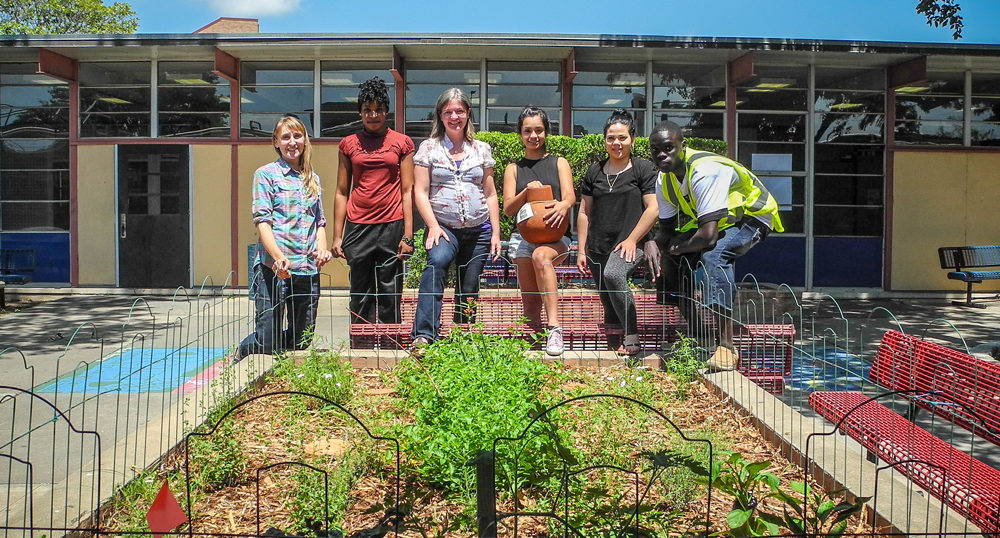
580	152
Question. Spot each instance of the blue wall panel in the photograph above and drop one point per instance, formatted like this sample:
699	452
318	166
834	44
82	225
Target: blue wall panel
778	259
848	262
51	254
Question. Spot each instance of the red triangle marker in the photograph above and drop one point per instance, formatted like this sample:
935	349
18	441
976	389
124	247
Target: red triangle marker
166	514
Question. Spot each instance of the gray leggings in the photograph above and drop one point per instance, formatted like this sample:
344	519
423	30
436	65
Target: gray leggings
612	286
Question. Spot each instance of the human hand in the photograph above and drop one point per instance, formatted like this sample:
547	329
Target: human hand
534	185
281	267
434	235
626	249
403	250
337	248
581	262
652	252
322	256
495	246
556	215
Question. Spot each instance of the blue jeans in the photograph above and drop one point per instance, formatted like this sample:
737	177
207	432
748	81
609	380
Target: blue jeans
733	242
468	248
297	297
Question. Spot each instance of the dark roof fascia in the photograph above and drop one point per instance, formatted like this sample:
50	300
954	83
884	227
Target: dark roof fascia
562	40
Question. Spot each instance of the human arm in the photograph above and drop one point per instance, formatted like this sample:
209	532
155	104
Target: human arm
560	211
703	238
340	204
321	254
490	191
513	200
582	230
266	233
406	186
422	201
710	187
626	249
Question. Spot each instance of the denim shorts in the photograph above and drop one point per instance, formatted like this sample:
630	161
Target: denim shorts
517	247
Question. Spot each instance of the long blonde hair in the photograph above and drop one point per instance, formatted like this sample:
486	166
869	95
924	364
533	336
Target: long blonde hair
449	95
305	160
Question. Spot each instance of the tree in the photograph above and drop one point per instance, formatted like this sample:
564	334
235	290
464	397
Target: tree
66	17
943	13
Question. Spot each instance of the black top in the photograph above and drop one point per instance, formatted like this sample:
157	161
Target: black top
544	170
616	209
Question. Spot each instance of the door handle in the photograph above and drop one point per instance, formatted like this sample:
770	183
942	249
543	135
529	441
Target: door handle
121	225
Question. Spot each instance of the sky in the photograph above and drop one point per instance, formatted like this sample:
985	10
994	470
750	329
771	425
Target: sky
853	20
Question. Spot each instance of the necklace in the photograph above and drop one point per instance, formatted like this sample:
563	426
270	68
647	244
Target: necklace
611	182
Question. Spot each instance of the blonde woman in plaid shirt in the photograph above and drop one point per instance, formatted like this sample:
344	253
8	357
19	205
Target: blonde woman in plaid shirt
288	214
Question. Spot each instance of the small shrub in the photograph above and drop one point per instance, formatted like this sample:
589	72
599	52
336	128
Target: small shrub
218	460
683	362
321	373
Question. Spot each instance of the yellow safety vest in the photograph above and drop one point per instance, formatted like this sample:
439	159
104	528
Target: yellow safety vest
747	195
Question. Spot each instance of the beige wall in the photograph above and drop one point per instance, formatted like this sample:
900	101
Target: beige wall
97	215
325	163
941	199
211	219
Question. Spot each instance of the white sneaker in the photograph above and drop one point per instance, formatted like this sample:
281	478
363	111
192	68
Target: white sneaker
554	343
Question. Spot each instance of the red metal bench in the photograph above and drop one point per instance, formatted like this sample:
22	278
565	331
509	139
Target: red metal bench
964	483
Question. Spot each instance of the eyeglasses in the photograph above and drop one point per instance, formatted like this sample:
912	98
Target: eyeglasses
375	112
460	112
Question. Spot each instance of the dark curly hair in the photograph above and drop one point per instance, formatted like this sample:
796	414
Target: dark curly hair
373	90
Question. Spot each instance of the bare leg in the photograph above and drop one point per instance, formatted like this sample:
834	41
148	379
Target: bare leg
531	299
544	259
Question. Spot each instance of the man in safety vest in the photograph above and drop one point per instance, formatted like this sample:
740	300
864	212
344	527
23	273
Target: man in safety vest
712	211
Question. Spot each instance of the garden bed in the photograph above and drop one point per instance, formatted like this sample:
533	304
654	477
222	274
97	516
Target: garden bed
593	462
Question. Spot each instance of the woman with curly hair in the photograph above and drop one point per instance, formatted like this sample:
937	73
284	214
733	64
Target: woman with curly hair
373	216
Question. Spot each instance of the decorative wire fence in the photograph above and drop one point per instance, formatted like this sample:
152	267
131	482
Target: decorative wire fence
892	408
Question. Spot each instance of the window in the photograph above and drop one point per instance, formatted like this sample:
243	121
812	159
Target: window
115	99
426	81
771	136
340	82
599	88
193	101
269	90
515	85
692	96
985	109
931	112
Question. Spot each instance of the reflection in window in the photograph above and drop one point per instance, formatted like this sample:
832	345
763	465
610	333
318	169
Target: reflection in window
689	86
115	99
775	88
515	85
193	101
695	124
340	82
931	112
985	108
426	81
599	88
270	90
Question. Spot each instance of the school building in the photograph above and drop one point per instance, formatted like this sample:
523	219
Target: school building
127	160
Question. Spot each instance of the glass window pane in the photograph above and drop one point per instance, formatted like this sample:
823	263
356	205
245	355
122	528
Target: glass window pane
504	120
450	73
34	96
419	121
836	78
276	73
345	98
929	108
689	75
195	99
114	124
771	127
849	128
847	101
427	94
341	124
522	96
849	190
696	124
929	132
188	74
34	154
261	125
115	74
987	84
523	73
844	159
34	216
985	109
592	121
778	77
26	73
670	97
603	74
276	99
195	124
848	221
114	100
354	73
771	156
609	97
35	185
34	122
771	99
985	134
793	219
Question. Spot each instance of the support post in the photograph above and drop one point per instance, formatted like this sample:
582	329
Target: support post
486	508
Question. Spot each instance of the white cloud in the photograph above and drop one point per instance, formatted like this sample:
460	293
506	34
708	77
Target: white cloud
253	8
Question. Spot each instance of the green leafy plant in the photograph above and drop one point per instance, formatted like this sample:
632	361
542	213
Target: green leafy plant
683	361
323	373
218	460
822	513
749	485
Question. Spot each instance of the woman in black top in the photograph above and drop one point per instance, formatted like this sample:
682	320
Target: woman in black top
536	273
617	210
